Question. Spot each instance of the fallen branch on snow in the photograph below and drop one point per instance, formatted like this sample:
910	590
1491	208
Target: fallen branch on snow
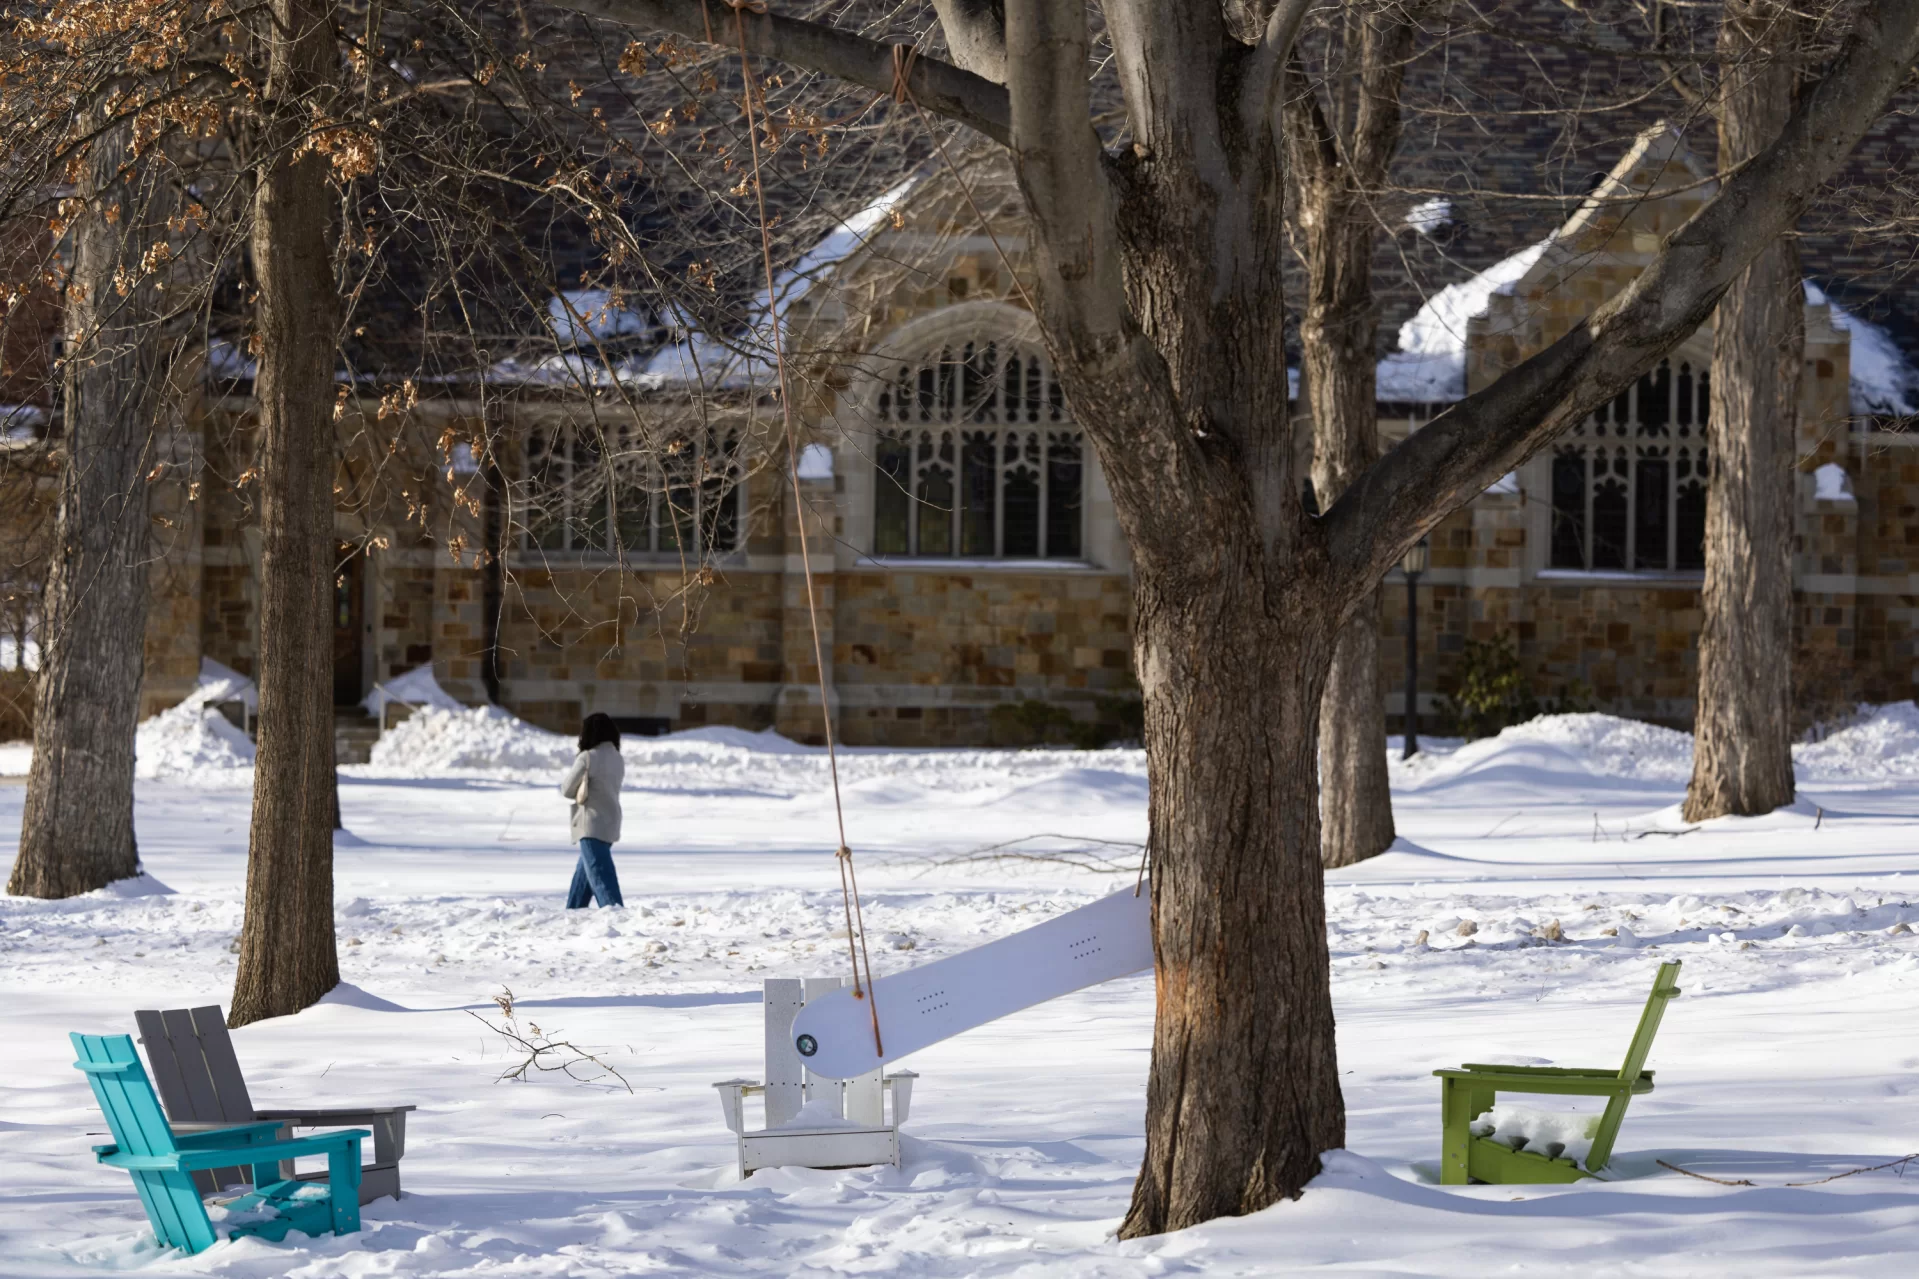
543	1052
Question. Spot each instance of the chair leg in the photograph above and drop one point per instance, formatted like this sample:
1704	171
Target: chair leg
343	1187
1607	1132
1455	1131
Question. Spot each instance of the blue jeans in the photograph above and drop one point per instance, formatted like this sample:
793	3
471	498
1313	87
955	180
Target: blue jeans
594	879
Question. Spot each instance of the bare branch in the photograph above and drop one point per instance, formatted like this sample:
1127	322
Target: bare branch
939	87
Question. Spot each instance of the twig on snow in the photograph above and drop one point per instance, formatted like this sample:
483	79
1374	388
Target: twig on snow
1899	1163
1717	1181
1085	857
543	1052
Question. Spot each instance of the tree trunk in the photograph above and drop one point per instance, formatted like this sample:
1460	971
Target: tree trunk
1355	798
1338	374
76	834
287	954
1742	736
1244	1089
1341	134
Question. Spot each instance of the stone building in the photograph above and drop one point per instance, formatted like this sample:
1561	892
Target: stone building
625	539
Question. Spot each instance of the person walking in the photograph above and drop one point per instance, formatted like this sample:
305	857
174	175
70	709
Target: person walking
593	784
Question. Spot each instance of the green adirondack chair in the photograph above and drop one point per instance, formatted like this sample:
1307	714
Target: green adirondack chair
162	1161
1468	1092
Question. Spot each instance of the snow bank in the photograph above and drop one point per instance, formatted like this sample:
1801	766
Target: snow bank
16	758
482	739
493	742
194	741
1589	744
1881	745
415	688
190	740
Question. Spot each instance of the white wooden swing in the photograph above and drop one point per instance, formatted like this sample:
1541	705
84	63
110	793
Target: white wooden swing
812	1121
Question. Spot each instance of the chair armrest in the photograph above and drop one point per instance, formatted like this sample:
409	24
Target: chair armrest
272	1152
236	1136
312	1118
732	1101
1581	1072
1561	1085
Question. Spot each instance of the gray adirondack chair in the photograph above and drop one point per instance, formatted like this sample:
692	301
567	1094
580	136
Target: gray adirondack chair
198	1076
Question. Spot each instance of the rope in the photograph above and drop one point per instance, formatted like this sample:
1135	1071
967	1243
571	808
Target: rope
849	882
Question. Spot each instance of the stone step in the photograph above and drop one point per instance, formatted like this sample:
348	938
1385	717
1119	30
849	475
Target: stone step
354	733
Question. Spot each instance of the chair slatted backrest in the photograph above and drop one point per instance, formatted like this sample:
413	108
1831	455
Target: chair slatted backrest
1665	988
132	1111
194	1064
125	1094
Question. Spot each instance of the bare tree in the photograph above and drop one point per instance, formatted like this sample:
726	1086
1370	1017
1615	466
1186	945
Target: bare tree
1742	734
76	831
1158	273
1343	123
287	949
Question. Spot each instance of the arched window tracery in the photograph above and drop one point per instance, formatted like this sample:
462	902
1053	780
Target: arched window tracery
1629	483
977	456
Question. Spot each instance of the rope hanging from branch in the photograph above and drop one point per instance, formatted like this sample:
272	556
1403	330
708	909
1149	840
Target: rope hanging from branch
849	882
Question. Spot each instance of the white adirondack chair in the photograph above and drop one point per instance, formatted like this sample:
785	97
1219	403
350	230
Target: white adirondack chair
812	1122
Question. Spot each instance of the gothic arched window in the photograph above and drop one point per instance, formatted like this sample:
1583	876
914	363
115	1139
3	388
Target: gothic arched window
977	457
1629	482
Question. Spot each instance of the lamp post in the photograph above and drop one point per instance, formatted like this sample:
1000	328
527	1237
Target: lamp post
1417	557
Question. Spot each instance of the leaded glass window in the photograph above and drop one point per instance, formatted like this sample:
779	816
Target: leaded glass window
977	457
634	496
1628	484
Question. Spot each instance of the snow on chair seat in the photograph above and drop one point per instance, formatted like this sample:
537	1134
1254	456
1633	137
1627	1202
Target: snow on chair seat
1518	1146
812	1121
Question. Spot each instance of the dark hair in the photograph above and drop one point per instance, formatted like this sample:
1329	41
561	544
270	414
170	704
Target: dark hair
599	728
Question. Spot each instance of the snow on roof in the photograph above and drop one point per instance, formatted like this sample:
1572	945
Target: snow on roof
581	315
696	358
1430	365
1883	379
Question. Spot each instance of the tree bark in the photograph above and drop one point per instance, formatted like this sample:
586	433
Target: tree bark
287	953
76	833
1742	733
1339	150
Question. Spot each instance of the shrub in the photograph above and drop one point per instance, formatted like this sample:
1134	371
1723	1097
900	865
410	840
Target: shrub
1494	692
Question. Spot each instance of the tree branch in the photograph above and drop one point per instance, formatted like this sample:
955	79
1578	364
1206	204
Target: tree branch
1062	171
976	33
1455	457
939	87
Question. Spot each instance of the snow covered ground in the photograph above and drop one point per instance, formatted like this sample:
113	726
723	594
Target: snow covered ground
1794	1054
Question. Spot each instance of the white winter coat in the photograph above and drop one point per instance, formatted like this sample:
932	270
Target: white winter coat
593	784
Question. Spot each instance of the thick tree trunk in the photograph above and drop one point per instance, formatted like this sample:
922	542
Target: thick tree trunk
1244	1089
287	955
77	830
1742	736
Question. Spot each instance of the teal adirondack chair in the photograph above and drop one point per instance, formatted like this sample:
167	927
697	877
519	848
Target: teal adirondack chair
1468	1092
162	1162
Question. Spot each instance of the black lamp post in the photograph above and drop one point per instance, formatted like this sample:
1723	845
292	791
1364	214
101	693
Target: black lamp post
1417	557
